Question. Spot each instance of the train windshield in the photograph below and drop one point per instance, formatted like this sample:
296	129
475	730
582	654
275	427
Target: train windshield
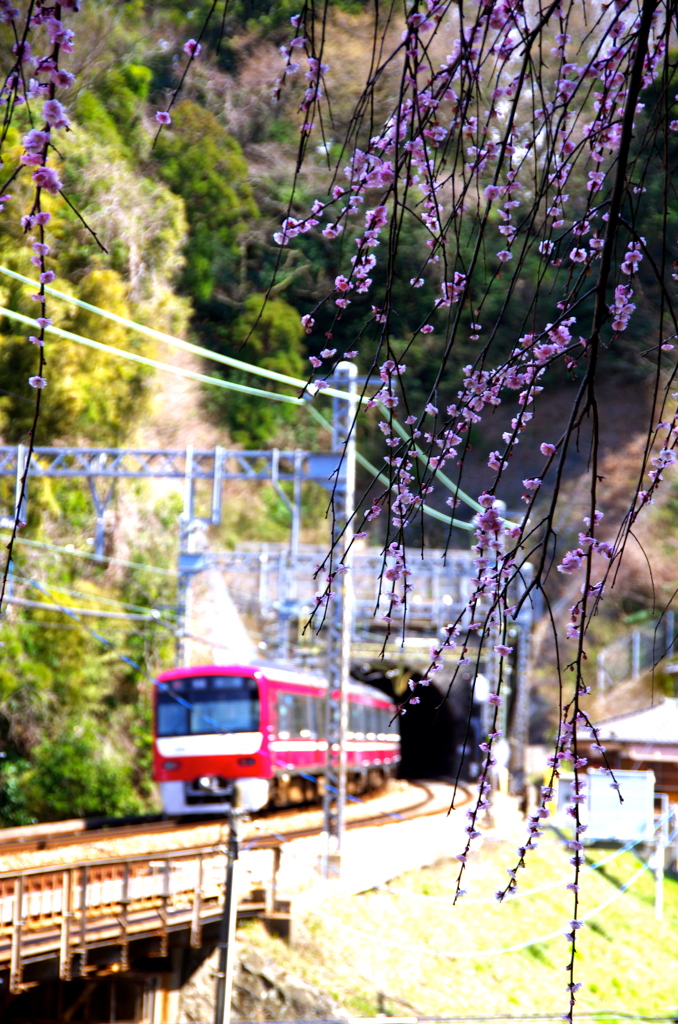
197	705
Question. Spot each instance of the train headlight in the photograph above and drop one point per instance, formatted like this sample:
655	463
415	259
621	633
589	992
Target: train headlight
206	781
170	766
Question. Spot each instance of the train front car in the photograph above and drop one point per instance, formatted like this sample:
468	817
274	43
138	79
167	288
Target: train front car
209	750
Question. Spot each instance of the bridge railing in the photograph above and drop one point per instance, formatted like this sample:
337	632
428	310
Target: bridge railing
65	911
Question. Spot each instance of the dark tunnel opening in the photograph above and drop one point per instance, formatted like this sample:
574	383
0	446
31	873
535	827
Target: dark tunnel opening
432	732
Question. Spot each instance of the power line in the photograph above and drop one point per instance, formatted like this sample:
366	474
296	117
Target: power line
309	388
20	578
123	657
92	557
96	613
179	343
155	364
382	478
53	624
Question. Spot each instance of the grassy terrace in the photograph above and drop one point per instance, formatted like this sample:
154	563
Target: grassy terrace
393	950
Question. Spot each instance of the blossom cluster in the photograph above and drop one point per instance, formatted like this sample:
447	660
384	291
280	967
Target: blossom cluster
34	81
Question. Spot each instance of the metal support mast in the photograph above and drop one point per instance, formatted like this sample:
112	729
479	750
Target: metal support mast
224	975
521	714
340	613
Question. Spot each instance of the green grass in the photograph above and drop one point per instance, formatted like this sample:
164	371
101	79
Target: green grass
394	949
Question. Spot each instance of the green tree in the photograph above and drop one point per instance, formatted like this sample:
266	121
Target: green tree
205	165
271	336
90	393
74	775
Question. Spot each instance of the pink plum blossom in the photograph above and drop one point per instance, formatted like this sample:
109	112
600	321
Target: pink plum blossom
55	114
47	178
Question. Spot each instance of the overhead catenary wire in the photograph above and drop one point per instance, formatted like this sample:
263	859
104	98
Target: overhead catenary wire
154	364
19	577
206	379
60	549
217	382
95	613
124	658
309	388
75	616
54	624
382	478
69	550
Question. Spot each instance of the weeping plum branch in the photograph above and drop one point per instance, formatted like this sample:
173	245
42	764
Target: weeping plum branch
519	139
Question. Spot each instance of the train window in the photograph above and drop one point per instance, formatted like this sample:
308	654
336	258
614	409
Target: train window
288	716
284	715
232	715
320	715
301	716
372	723
310	728
172	719
299	709
212	709
356	721
295	716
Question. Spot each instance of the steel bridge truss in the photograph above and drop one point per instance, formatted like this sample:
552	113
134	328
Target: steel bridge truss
101	467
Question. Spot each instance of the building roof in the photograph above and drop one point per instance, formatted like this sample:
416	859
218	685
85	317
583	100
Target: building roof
655	724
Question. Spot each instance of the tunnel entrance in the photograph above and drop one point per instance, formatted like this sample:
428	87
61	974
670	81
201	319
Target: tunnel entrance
432	732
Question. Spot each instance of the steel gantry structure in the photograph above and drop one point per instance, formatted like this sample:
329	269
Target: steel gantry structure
334	470
281	577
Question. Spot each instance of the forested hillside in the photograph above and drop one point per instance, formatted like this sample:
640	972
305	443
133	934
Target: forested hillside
174	228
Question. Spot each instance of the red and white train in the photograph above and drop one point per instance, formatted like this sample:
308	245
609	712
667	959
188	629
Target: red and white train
252	735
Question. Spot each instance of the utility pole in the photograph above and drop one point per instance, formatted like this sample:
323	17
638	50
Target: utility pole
224	976
340	614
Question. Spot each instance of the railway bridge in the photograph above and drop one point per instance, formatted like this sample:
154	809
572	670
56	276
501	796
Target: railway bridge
114	938
93	936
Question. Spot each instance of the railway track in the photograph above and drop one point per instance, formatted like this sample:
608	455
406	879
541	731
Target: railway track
428	804
47	836
98	831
